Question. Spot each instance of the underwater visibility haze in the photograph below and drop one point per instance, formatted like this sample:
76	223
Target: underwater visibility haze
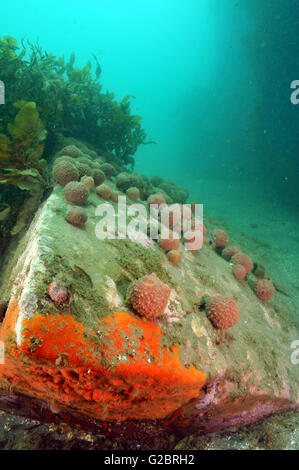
159	102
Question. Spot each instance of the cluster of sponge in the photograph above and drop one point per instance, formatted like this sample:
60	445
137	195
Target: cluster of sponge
243	260
80	172
243	266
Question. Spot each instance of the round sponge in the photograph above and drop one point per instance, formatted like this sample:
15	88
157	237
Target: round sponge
222	312
264	289
239	272
64	172
76	216
221	238
244	260
76	193
230	251
149	296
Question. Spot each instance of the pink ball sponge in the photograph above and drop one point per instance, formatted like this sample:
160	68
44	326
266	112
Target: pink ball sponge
98	176
264	289
244	260
158	199
76	193
171	243
58	293
222	312
104	191
108	169
149	296
88	181
76	216
230	251
133	193
221	238
182	215
239	272
173	256
64	172
72	151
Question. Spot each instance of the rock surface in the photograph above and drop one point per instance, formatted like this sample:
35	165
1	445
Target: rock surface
280	432
94	362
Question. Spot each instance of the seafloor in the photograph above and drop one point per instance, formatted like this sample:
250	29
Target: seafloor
275	433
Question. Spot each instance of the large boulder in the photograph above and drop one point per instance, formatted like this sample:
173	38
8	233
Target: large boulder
90	359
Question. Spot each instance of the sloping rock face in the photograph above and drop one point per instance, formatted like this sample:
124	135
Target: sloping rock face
90	359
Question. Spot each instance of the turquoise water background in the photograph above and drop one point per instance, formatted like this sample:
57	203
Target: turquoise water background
211	78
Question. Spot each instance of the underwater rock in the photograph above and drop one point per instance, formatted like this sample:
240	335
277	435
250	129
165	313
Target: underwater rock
25	213
113	369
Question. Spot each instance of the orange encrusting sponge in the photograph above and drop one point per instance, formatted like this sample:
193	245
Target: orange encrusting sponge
116	372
